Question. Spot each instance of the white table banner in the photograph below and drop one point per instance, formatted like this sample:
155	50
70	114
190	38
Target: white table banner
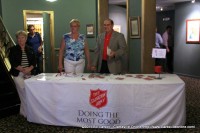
115	101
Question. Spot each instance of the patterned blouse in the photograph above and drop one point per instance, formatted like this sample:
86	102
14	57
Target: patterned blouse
74	48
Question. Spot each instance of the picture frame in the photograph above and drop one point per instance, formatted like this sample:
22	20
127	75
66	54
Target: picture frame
89	30
193	31
134	27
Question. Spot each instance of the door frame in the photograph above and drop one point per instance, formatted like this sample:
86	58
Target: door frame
52	40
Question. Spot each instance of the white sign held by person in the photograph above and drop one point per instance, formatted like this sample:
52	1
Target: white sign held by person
158	53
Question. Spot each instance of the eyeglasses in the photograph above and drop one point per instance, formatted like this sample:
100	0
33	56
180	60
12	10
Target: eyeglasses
32	29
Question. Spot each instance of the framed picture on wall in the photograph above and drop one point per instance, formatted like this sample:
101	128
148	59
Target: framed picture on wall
134	27
89	30
193	31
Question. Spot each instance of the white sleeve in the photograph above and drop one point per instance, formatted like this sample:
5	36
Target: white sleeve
160	39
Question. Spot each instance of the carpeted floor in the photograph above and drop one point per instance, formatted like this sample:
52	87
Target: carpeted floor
18	124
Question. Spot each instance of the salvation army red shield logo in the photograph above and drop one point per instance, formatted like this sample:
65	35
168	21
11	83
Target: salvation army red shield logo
98	98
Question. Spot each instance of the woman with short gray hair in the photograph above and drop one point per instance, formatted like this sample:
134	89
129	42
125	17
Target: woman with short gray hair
22	60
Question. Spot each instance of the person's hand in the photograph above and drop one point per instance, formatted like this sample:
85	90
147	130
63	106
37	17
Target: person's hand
27	71
40	49
60	68
93	68
112	54
20	68
88	66
167	50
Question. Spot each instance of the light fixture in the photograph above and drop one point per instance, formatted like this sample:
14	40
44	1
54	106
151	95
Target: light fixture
159	8
51	0
192	1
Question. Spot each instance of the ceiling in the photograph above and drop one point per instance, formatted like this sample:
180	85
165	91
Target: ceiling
165	4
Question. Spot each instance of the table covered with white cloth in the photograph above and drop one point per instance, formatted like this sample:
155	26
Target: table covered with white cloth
106	101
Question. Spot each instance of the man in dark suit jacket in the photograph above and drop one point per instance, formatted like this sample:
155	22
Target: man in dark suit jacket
110	48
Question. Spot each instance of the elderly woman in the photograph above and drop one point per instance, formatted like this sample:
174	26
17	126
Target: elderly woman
76	48
22	60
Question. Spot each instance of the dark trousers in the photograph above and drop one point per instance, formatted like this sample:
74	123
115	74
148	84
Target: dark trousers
158	62
39	64
169	60
104	67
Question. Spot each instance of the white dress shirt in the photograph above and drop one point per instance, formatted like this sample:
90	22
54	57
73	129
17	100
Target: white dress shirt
159	40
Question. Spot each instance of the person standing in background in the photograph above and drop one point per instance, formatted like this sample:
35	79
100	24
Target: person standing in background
158	44
110	48
169	45
159	40
34	40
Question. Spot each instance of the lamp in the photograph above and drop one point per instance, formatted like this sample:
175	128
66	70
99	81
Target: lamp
192	1
51	0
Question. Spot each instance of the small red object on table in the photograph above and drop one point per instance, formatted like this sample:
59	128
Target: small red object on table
158	69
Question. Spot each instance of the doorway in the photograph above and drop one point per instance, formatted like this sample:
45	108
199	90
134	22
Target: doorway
44	24
118	12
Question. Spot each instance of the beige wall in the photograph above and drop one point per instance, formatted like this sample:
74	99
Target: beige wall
148	35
